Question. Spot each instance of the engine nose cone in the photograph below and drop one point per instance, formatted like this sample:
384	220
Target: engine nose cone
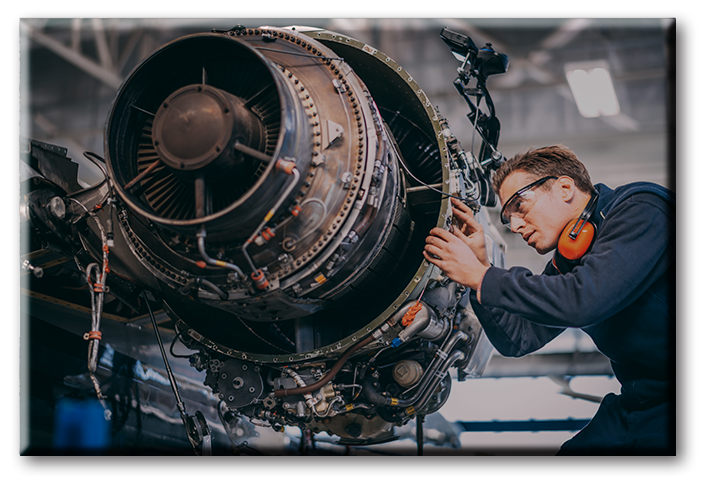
192	127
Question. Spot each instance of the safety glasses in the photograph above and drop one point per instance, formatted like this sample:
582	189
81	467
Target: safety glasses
519	204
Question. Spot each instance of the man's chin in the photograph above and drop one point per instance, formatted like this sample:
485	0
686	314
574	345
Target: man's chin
542	250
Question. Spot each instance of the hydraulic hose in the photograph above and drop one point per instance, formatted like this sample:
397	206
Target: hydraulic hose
426	382
310	401
453	358
431	371
328	376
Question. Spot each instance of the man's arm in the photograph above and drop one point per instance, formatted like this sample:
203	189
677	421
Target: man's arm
631	253
511	335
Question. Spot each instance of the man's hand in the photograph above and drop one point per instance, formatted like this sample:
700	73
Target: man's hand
453	255
473	233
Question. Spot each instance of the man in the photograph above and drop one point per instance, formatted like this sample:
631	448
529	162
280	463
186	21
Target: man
621	291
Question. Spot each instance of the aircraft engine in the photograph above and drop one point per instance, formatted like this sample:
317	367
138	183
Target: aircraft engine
274	187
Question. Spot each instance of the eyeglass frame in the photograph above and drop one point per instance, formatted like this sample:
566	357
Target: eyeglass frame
534	184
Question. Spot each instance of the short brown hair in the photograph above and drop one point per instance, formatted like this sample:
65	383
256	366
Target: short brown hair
555	160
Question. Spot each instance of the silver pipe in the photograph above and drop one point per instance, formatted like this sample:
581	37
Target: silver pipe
296	176
222	294
201	235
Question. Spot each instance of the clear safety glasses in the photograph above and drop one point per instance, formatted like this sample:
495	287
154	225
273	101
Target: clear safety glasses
519	204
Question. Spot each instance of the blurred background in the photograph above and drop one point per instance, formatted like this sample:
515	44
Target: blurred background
71	69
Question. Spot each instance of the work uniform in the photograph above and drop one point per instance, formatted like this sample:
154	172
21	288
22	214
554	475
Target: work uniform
622	294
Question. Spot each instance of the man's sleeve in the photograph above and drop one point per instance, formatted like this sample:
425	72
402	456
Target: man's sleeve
631	252
511	335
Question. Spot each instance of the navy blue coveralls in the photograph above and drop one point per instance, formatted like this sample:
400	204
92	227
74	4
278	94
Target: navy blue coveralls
622	294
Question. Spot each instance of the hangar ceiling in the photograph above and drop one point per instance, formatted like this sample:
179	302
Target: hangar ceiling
72	68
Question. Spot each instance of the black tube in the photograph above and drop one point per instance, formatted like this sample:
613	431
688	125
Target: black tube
372	396
426	382
454	357
173	383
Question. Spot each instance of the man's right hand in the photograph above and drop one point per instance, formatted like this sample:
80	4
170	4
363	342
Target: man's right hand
473	234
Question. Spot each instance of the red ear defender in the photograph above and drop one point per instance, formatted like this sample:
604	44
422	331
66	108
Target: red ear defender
573	249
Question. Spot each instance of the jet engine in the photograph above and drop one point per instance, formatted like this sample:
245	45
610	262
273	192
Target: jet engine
272	188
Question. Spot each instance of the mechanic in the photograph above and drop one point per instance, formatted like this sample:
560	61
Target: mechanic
615	280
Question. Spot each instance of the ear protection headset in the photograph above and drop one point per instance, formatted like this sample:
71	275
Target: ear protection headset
576	238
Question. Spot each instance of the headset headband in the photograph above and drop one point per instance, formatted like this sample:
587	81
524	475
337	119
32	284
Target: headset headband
585	216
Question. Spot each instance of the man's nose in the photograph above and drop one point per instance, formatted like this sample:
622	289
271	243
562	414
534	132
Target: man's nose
516	224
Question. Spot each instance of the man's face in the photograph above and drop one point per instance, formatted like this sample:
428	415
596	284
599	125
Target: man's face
543	214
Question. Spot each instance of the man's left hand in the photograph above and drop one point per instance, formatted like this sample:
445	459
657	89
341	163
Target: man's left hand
455	258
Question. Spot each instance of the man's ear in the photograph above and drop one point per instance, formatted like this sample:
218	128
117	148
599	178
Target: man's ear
566	188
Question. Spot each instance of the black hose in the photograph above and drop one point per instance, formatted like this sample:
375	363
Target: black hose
374	397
